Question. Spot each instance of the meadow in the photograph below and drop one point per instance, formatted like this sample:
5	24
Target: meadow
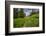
28	21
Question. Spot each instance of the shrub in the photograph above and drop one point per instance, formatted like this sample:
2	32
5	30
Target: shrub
18	22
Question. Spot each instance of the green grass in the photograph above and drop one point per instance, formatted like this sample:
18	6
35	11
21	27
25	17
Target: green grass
29	21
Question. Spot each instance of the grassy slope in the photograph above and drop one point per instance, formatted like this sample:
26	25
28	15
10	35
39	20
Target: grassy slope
30	21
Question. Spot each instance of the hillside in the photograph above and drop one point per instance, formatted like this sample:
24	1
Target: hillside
29	21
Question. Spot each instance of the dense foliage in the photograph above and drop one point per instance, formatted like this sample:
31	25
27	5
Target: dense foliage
28	21
21	13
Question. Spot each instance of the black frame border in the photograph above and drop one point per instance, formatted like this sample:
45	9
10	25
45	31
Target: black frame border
7	3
